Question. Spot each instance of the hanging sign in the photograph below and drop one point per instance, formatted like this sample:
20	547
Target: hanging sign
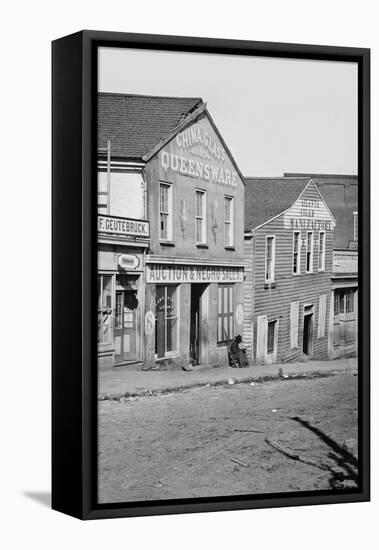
128	261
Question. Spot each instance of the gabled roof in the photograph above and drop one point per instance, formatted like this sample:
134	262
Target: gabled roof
340	192
135	124
266	198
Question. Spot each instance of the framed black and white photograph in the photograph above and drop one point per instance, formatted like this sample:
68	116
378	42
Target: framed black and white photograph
211	274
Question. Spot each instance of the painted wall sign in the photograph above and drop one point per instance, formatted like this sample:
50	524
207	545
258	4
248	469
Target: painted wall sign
162	273
345	262
309	215
239	314
198	169
128	261
198	152
123	226
149	323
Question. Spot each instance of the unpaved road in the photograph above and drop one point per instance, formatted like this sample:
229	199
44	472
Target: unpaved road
181	445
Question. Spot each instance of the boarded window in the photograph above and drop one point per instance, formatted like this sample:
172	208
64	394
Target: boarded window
294	324
321	316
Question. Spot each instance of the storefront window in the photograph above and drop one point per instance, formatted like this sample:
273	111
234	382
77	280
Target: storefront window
336	303
166	327
225	313
350	300
104	309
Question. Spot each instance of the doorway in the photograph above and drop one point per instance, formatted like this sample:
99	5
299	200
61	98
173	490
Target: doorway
308	330
125	329
197	291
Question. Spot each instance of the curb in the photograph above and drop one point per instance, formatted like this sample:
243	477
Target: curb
225	382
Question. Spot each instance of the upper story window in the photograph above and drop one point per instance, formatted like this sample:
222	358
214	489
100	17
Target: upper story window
165	212
200	216
355	227
309	253
228	221
321	251
270	259
296	253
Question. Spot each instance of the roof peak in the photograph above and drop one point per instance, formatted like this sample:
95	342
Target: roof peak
146	96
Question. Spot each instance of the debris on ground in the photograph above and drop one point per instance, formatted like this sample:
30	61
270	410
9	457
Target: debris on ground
239	462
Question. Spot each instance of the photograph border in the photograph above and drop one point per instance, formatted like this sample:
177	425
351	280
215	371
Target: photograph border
74	252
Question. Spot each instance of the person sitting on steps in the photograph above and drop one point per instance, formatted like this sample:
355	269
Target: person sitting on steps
237	353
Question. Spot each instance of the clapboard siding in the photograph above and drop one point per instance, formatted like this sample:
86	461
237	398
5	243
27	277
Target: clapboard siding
248	298
274	300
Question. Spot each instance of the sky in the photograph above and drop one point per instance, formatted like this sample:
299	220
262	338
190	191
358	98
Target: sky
275	115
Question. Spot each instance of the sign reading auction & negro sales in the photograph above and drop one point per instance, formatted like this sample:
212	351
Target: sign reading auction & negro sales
162	273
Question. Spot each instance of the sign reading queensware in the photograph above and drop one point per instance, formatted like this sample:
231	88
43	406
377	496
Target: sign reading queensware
122	226
162	273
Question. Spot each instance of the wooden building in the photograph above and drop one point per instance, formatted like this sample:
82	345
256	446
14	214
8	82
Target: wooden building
341	194
191	194
288	303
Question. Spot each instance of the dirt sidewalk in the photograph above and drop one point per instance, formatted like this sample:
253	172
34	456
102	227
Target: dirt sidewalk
118	382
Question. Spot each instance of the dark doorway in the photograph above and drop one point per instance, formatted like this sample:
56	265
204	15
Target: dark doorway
195	320
308	334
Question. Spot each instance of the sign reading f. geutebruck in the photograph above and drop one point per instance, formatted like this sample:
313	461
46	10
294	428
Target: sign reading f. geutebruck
123	226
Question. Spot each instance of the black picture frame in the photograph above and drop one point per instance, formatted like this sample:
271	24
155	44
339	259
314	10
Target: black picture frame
74	373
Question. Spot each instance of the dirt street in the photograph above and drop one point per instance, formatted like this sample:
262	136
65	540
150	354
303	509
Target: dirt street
211	441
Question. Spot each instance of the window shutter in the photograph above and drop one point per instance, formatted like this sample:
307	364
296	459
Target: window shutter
294	324
321	316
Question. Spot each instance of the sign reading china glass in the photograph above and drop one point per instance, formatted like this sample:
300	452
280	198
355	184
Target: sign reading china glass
162	273
122	226
209	160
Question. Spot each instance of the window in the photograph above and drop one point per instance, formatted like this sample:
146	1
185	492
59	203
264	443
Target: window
355	227
321	251
228	221
166	326
102	193
225	316
165	212
350	300
271	327
104	309
336	303
296	253
309	253
200	217
270	259
344	301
